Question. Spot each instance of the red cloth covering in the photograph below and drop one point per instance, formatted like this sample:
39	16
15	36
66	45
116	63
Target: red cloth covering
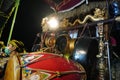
64	5
55	63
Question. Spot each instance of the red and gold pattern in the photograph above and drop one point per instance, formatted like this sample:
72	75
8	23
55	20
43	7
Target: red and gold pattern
45	66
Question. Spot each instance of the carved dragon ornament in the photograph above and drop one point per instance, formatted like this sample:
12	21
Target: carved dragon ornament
98	15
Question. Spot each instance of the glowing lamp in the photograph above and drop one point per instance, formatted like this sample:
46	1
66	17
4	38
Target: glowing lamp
53	23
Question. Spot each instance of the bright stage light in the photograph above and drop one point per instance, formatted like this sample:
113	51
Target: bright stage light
53	23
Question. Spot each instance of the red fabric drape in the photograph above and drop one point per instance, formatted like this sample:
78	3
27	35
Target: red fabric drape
64	5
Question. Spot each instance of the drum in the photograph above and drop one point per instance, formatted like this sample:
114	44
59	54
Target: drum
43	66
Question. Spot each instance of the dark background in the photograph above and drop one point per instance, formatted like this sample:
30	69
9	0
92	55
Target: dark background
28	22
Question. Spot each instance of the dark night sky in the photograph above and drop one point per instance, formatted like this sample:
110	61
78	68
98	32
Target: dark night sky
28	21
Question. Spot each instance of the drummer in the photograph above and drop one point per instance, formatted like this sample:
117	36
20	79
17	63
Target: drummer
14	47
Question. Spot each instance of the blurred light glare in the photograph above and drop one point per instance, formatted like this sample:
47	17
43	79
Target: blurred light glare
80	54
53	23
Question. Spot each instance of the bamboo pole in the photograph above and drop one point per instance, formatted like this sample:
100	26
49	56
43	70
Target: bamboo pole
13	22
